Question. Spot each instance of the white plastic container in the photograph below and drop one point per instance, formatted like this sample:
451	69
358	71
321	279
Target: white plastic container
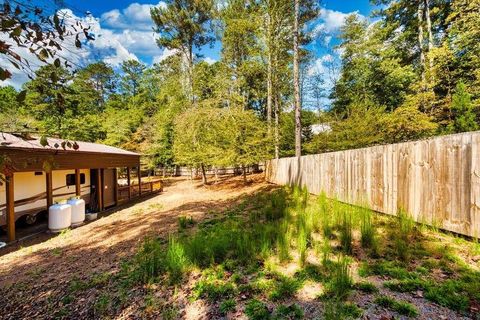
59	216
78	210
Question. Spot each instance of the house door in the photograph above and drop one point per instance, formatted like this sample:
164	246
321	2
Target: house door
109	184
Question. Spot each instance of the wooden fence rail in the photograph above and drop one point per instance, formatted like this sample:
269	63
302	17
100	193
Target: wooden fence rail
437	181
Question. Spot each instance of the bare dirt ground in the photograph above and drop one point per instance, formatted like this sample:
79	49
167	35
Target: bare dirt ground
35	275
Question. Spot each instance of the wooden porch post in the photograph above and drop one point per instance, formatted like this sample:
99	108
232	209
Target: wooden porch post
139	180
10	196
49	188
129	183
99	190
115	178
78	190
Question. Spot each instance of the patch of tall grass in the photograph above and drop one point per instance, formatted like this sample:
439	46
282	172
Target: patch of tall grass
367	228
402	234
346	232
341	282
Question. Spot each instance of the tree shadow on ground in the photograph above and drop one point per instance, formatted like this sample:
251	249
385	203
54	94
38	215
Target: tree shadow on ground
38	284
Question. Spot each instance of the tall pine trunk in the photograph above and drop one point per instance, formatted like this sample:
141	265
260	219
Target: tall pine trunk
420	41
277	124
296	82
269	71
428	19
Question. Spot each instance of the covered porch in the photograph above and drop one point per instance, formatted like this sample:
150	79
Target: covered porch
104	176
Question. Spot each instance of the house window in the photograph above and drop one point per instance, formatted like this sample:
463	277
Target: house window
71	179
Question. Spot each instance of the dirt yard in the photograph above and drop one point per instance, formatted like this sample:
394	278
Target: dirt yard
36	275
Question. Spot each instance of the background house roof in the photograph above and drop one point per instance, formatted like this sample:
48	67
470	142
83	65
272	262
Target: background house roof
11	141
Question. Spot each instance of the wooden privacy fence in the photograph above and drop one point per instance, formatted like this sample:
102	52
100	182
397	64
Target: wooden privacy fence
437	181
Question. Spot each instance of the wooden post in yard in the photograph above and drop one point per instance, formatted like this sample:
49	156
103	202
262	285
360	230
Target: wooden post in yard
10	197
78	188
129	183
99	190
49	188
115	179
139	180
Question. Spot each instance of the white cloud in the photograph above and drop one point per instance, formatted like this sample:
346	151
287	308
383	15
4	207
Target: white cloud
119	35
165	54
209	60
330	22
136	16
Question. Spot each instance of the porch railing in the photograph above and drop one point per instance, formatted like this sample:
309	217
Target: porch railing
126	193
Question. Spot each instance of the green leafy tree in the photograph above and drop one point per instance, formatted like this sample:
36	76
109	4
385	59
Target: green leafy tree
464	117
132	77
182	26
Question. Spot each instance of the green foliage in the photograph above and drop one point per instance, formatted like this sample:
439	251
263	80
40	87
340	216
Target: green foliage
463	112
176	261
403	234
336	309
402	307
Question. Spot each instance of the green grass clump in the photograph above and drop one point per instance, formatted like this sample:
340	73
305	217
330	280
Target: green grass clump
386	268
277	207
366	287
300	197
149	261
227	306
341	281
337	309
303	234
402	307
403	233
346	236
213	290
367	229
406	285
176	261
449	294
284	287
257	310
291	312
184	222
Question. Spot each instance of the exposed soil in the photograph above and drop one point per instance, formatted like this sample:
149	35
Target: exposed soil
35	275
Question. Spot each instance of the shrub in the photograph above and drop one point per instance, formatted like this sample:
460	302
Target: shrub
149	261
257	310
336	309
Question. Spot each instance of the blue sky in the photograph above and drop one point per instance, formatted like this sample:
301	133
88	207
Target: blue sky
123	31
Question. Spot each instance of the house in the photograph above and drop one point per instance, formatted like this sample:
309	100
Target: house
35	172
